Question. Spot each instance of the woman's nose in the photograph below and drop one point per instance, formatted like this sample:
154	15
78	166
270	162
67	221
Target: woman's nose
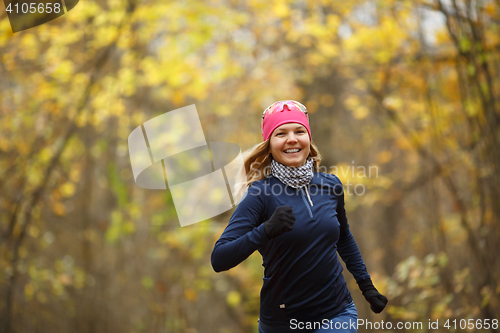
292	138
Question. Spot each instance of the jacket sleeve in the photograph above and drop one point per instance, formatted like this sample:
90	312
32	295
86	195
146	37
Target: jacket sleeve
243	235
346	246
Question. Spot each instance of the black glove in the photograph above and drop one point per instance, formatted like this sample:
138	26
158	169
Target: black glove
376	300
281	221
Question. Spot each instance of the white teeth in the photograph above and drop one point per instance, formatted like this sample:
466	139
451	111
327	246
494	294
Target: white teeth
292	150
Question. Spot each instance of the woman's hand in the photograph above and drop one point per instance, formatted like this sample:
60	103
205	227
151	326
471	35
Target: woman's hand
377	301
281	221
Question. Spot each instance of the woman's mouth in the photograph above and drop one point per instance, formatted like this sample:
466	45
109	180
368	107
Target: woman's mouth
293	151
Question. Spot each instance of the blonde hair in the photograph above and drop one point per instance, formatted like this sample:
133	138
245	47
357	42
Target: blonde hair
257	166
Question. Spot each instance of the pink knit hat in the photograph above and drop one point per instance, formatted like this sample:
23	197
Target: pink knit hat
283	112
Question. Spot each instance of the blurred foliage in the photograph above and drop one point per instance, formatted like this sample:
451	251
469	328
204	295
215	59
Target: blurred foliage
407	89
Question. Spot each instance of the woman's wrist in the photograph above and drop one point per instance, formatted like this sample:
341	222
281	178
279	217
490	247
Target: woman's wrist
377	300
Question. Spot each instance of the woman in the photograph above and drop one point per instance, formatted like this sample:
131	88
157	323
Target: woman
294	216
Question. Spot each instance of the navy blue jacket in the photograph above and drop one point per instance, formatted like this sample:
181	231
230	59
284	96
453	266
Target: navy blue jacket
303	276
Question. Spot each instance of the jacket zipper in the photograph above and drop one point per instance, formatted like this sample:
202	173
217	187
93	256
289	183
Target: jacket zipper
305	202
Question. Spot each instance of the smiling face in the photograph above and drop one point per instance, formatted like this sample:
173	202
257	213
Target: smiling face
290	136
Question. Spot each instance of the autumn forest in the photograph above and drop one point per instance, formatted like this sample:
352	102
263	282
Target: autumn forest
408	90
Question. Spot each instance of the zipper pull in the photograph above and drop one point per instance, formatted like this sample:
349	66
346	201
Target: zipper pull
308	197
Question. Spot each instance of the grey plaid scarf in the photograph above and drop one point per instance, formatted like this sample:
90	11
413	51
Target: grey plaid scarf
294	177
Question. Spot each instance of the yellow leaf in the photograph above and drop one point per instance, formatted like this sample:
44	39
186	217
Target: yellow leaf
403	143
34	231
233	298
312	106
29	47
74	174
384	157
328	49
23	253
327	100
29	291
281	9
360	112
147	282
67	189
190	294
58	208
491	9
64	72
